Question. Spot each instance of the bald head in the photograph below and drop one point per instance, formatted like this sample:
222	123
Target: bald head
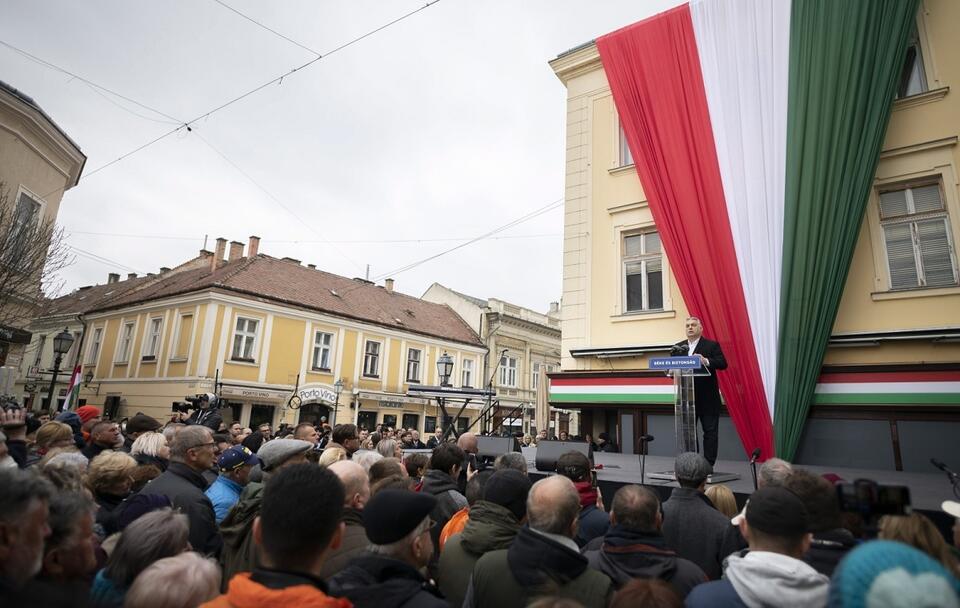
636	508
553	506
356	484
468	443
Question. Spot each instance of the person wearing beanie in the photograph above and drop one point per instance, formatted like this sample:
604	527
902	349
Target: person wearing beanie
136	426
884	573
593	521
388	575
772	573
239	549
87	413
234	465
633	547
494	522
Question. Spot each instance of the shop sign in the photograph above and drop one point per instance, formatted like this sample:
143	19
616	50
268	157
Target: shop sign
385	398
252	393
317	393
393	404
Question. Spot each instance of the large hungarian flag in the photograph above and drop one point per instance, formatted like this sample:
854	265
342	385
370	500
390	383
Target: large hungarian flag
756	128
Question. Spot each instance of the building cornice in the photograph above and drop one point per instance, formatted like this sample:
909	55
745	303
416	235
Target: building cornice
41	127
576	62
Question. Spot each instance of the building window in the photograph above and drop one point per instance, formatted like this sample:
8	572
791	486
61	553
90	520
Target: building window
75	349
245	339
184	332
322	346
153	340
642	272
95	345
626	157
466	373
913	78
916	232
371	359
413	364
126	340
26	215
429	424
40	344
536	374
508	371
390	420
411	421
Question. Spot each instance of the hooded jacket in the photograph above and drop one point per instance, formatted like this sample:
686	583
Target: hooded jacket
354	543
624	554
491	527
535	566
449	501
762	579
274	589
239	550
828	548
377	581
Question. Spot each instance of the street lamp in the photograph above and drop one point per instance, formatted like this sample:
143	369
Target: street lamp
61	344
337	388
88	378
444	369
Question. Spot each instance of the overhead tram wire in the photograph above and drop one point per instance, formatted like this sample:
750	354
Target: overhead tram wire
187	124
98	258
455	239
269	29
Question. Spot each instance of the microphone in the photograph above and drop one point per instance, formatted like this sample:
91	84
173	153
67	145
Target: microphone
754	455
646	437
943	468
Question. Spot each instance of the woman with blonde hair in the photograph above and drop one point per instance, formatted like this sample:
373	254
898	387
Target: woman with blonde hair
49	436
918	531
110	478
151	448
389	448
723	499
332	455
182	581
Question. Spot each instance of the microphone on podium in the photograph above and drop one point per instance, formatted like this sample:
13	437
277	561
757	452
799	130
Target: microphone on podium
755	455
643	440
753	465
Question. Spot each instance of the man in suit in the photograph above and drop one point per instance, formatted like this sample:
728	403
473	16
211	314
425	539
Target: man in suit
705	389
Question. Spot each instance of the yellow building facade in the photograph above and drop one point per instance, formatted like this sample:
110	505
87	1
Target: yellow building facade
889	325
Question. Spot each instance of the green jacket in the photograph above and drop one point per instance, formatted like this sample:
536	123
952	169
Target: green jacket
239	551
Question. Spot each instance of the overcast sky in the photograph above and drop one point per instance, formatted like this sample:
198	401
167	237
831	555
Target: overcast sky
446	125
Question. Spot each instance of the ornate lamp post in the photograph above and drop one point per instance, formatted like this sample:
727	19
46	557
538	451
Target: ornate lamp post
61	345
337	388
445	369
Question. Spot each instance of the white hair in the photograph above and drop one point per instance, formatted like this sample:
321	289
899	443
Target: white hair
187	579
774	472
148	444
366	458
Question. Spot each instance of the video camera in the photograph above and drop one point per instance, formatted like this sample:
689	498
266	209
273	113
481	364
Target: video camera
193	402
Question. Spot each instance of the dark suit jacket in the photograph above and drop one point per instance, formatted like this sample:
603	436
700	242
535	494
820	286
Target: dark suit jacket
705	389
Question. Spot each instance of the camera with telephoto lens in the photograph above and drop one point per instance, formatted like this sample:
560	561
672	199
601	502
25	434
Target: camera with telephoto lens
193	402
872	500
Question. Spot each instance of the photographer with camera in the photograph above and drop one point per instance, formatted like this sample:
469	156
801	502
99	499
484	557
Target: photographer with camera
202	409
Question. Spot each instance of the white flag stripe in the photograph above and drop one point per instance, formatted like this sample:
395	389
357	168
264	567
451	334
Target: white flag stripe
888	387
666	389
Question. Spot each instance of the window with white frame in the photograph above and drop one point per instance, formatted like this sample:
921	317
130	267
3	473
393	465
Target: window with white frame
152	345
126	342
95	345
642	272
371	359
917	236
537	367
26	215
508	371
414	356
625	158
322	348
466	373
40	344
245	339
913	78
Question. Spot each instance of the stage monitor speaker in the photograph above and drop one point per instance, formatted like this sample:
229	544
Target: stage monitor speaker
548	452
488	448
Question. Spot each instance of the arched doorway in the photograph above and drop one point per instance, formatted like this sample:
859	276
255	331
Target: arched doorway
315	413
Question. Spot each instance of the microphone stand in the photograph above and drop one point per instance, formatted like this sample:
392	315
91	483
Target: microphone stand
753	466
643	457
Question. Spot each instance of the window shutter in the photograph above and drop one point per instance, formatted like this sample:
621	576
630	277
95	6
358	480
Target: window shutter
903	266
893	204
935	252
927	199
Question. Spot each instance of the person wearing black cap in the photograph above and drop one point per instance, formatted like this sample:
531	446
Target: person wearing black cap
772	573
136	426
388	575
493	524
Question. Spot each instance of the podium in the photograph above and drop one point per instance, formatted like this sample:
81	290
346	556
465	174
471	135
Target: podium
683	370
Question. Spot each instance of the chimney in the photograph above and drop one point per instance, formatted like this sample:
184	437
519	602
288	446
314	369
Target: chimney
554	307
294	260
236	251
312	266
218	254
131	276
113	277
254	246
164	269
388	285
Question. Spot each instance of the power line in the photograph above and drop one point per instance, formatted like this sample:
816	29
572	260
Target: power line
454	239
98	258
271	30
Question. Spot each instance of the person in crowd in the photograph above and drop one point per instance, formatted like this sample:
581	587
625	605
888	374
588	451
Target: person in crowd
589	439
435	439
564	436
88	414
137	426
691	526
50	436
773	472
346	436
919	532
331	455
236	432
772	573
831	541
191	453
723	500
633	547
468	443
543	558
109	477
69	556
305	431
441	481
24	500
493	524
171	429
239	545
363	434
104	435
235	465
890	573
390	448
952	508
527	441
367	458
397	522
151	449
44	416
511	460
206	413
356	487
416	465
182	581
458	520
66	470
605	445
646	592
406	440
298	524
265	430
417	444
386	467
593	522
13	438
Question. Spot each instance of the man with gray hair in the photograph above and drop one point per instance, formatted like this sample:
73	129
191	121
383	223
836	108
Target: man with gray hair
773	472
356	486
192	453
691	525
398	525
511	460
24	500
543	559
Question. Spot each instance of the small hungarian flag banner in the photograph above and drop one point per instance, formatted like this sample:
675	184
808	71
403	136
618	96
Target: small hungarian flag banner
73	392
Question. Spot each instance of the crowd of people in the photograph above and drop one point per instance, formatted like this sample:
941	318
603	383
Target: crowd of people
195	512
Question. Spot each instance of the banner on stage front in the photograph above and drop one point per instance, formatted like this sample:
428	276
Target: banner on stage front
671	363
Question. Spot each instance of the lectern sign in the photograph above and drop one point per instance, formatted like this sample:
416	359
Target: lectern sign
671	363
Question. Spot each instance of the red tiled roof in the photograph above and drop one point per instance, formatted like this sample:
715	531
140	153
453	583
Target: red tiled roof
86	299
290	283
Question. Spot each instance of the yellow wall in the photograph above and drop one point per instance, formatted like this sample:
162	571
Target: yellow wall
286	347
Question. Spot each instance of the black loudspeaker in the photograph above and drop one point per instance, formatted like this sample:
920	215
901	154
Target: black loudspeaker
548	452
488	448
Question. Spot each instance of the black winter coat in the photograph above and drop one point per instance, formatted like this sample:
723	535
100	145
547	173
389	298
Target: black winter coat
184	487
697	531
376	581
